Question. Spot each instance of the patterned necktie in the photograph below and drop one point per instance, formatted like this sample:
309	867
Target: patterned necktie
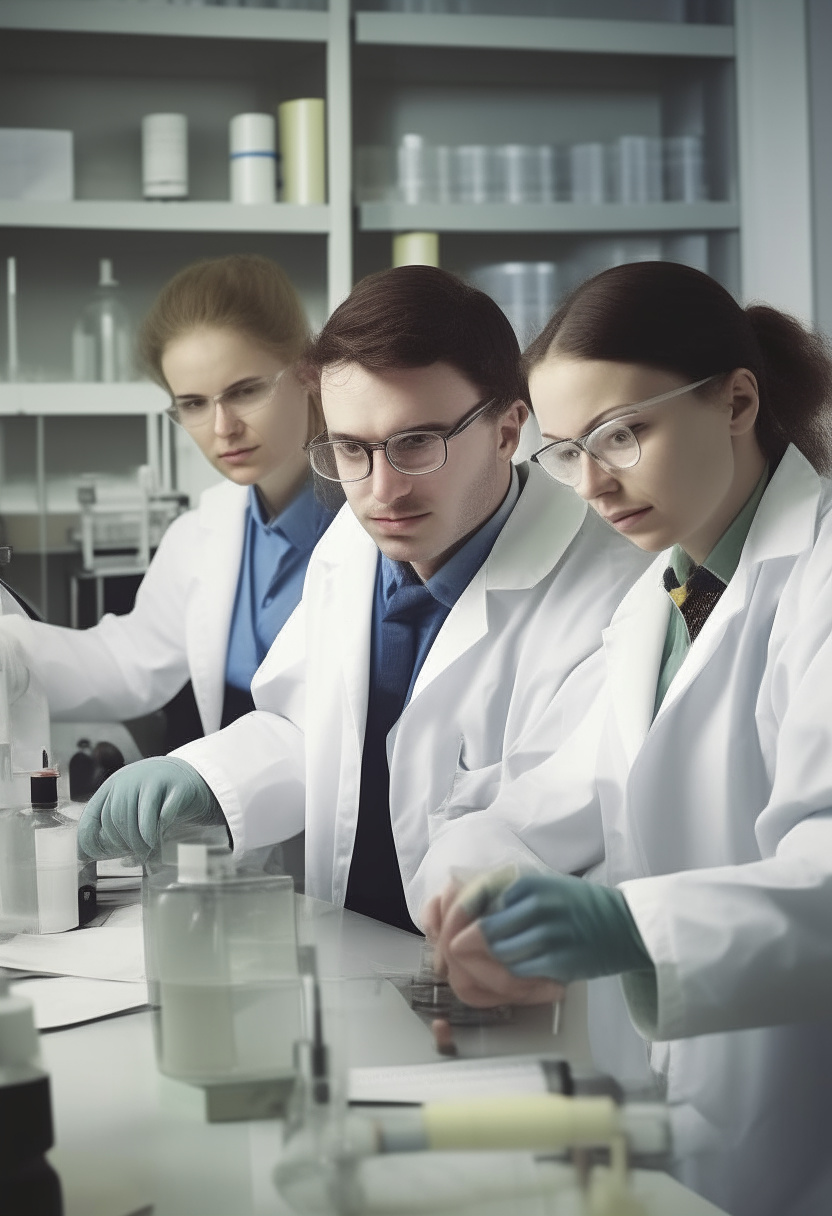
696	598
375	882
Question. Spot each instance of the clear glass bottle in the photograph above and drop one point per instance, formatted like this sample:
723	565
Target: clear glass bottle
222	966
39	863
101	341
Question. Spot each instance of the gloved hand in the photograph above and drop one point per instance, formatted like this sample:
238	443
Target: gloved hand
134	807
564	928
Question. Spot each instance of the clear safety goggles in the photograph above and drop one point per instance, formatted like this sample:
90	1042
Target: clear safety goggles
612	445
238	400
412	452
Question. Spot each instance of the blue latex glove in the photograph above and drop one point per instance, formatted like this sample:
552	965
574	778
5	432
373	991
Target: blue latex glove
565	929
134	806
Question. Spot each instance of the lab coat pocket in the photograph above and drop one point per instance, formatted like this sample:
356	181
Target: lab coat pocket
472	789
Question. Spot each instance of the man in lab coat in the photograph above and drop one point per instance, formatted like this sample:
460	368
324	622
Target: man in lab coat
454	597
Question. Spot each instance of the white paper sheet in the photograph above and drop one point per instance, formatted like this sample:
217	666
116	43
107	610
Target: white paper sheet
112	952
448	1079
67	1000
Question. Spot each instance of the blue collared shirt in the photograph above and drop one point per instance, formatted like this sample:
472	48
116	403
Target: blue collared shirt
446	585
276	553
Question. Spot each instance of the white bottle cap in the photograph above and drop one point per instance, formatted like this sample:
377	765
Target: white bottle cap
192	862
18	1037
251	133
204	861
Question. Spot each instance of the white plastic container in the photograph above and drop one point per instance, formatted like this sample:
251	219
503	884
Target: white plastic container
36	164
474	173
221	958
588	173
252	158
165	156
685	169
412	165
636	164
526	292
38	864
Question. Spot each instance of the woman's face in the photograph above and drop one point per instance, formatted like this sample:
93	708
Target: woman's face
247	449
683	488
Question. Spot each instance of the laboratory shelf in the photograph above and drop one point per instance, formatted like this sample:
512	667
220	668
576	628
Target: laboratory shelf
128	216
163	20
48	399
546	34
548	217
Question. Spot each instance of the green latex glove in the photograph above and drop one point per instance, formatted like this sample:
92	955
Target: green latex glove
135	806
565	929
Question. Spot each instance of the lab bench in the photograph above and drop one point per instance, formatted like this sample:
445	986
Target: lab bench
130	1142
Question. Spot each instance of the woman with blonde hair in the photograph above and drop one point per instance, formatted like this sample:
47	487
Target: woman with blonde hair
222	338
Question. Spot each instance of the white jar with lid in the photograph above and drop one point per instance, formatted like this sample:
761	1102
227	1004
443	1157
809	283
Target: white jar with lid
252	158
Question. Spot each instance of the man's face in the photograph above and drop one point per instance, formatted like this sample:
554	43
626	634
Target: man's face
421	519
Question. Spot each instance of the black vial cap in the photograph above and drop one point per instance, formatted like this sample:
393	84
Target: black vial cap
44	787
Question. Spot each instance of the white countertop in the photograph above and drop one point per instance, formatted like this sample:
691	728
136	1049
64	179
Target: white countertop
127	1138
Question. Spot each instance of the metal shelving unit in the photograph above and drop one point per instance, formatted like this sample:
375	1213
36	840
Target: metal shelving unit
97	65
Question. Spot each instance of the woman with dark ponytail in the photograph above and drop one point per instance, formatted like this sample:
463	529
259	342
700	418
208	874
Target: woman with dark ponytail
696	798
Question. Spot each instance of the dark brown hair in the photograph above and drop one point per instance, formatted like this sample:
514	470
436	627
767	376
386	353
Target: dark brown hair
244	292
669	316
414	316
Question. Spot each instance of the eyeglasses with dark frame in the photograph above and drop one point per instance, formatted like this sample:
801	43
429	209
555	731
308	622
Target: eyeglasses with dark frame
238	400
612	444
413	452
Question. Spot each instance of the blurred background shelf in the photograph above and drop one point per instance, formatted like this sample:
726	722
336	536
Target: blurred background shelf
56	399
161	20
546	34
128	216
549	217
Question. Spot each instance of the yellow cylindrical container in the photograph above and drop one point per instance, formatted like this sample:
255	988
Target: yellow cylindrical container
416	249
302	150
537	1122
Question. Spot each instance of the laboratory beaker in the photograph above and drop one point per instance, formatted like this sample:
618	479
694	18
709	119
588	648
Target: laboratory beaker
222	966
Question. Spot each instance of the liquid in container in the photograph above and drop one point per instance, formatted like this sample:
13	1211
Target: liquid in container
38	863
222	965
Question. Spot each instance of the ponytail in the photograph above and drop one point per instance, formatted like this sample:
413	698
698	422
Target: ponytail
797	387
668	316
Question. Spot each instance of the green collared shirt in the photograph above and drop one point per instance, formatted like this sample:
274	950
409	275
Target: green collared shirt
722	562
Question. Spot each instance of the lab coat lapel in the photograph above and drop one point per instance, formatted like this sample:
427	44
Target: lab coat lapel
783	527
222	523
353	560
633	645
542	525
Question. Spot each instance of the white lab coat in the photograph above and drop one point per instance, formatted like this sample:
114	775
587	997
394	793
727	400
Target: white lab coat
130	665
716	821
532	613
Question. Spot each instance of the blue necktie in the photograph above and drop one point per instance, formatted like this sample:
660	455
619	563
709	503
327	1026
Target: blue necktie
375	882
